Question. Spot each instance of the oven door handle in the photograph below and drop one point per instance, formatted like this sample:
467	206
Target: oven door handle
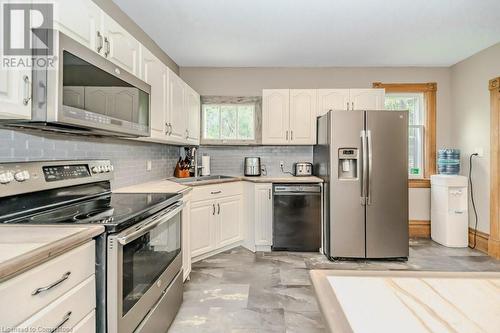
156	221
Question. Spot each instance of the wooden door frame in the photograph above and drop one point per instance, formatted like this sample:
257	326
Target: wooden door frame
494	238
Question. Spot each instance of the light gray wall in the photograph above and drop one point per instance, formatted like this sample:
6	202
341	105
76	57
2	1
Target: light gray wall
229	160
129	157
471	122
124	20
251	81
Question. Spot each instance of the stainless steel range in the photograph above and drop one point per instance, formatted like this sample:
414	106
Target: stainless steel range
139	259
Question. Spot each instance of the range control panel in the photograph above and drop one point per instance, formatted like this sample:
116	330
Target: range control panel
24	177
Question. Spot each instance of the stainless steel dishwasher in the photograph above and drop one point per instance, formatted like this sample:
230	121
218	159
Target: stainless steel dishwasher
296	217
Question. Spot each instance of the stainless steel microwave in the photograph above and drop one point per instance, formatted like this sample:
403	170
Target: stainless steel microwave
85	93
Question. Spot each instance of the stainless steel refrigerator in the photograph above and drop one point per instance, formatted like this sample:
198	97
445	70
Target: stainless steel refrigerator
362	157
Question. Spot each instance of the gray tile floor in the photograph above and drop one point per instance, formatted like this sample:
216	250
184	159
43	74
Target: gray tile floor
243	292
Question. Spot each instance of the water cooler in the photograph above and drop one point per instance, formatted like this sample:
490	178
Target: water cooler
449	210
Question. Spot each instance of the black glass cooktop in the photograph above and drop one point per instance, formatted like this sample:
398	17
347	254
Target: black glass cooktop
115	211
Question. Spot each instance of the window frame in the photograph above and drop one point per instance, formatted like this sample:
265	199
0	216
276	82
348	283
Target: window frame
429	90
229	100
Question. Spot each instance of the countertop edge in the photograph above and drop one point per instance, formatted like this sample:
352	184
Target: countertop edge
15	266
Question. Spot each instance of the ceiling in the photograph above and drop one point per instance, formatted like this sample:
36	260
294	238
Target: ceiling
302	33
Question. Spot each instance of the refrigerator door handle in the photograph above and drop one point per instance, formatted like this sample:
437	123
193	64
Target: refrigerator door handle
370	167
364	167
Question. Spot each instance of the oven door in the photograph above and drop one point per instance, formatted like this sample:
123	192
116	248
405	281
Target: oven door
142	262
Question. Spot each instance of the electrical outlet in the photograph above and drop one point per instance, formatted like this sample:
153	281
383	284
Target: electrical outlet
479	151
149	165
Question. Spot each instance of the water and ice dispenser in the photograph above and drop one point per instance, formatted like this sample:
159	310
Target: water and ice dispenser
348	163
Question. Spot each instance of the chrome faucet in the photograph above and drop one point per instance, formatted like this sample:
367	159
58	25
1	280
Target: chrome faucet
194	154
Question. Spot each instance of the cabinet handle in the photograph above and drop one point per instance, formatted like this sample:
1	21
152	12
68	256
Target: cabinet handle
187	134
218	209
100	43
352	106
65	319
291	135
52	285
347	106
269	194
216	192
213	211
27	90
108	47
286	135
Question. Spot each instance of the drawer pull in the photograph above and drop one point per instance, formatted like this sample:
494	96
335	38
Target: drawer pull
52	285
62	322
216	192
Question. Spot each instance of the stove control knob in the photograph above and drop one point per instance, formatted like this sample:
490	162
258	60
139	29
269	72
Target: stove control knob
95	169
21	176
105	168
111	168
4	178
101	168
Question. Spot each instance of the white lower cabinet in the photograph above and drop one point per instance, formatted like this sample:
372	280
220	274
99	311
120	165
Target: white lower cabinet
59	292
216	218
229	211
202	227
263	218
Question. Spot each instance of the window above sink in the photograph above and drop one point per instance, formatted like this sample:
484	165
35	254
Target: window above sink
230	120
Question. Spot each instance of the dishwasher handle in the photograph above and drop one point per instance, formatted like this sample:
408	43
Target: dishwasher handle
302	189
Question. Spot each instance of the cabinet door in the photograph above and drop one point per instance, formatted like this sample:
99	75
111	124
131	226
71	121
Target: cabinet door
193	113
367	99
15	94
154	73
79	19
264	214
275	116
230	216
119	46
178	117
15	84
202	227
332	99
303	113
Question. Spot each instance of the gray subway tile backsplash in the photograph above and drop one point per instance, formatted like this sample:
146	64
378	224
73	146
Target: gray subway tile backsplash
129	157
229	160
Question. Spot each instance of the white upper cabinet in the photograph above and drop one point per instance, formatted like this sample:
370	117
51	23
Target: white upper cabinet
193	110
303	113
332	99
119	46
80	20
275	116
350	99
15	84
176	110
154	73
289	116
15	94
366	99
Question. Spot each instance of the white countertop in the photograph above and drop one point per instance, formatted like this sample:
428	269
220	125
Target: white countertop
170	186
26	246
406	301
